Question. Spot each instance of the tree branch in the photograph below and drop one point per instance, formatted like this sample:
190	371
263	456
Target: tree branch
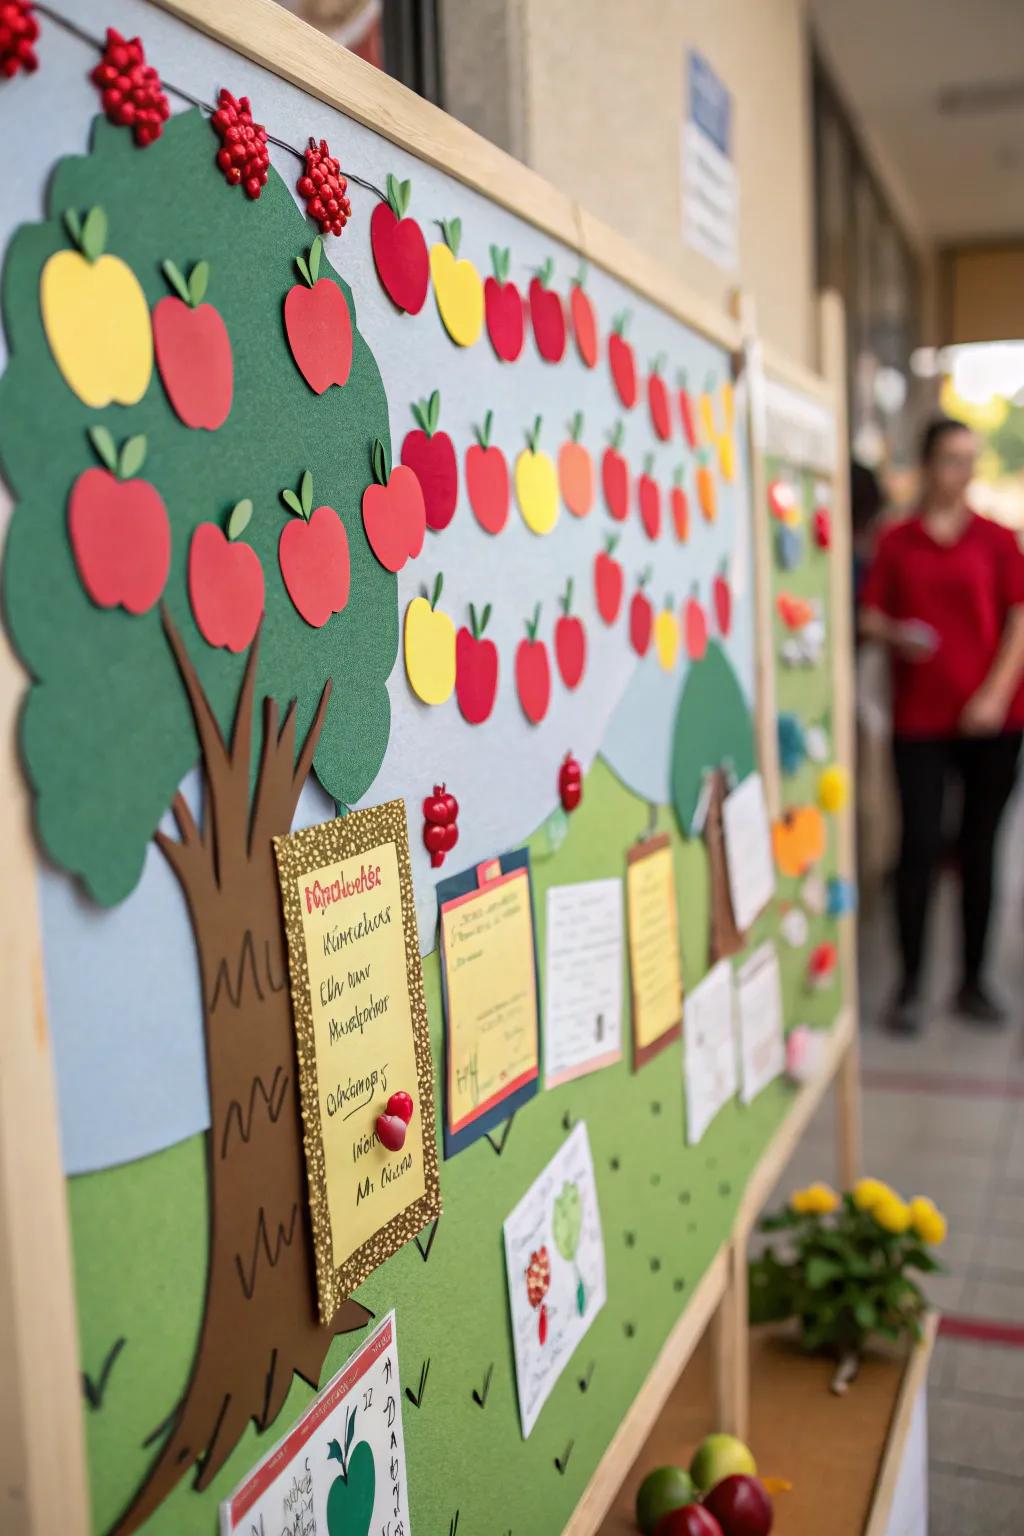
212	743
311	742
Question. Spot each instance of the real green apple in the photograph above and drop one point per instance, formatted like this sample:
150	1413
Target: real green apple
720	1456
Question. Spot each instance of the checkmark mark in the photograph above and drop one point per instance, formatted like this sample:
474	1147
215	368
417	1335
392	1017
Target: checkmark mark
480	1398
499	1146
584	1381
561	1462
425	1252
95	1390
416	1398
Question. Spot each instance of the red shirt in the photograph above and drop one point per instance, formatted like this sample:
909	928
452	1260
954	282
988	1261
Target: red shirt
964	591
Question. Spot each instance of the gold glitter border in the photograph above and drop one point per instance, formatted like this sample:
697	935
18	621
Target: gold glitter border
298	854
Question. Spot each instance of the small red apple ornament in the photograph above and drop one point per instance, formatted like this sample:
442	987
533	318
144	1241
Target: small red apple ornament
393	1124
741	1506
570	783
440	824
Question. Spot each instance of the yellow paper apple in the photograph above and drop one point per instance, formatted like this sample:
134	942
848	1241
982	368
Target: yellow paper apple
726	457
666	636
537	485
429	648
96	317
457	286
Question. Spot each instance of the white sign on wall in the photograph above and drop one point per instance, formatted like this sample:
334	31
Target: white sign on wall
711	213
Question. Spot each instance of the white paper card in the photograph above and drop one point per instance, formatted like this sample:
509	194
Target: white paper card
709	1049
748	850
554	1259
759	1011
341	1467
583	1013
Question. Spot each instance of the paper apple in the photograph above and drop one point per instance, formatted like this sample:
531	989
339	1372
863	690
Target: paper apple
726	447
317	324
313	553
503	307
429	646
622	362
570	642
476	669
658	403
576	471
96	317
487	479
584	321
680	504
687	411
795	612
225	582
641	617
822	527
666	636
119	530
536	485
394	516
457	286
547	315
707	494
193	350
695	627
721	596
399	249
615	476
706	411
431	457
649	499
782	502
798	840
609	582
533	672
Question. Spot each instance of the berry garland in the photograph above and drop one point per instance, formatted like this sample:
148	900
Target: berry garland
243	155
18	32
130	89
323	188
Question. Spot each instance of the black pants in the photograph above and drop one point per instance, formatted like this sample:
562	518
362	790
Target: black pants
986	767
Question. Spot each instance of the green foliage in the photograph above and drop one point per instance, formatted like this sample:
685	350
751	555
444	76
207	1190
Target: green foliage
567	1221
1007	441
844	1277
713	729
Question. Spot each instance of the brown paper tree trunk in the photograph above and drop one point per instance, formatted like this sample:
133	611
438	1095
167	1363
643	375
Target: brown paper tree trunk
260	1321
725	938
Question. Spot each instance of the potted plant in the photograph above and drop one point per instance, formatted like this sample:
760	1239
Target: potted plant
845	1275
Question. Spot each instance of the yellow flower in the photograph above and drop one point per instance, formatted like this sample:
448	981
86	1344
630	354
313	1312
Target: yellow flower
929	1222
833	789
816	1200
892	1213
868	1192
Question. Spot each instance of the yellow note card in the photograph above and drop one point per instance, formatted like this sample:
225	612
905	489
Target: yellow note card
654	962
360	1017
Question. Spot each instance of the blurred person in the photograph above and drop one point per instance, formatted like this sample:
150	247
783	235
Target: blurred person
866	503
945	595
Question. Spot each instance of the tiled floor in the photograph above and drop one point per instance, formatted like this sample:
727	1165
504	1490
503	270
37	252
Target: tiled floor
944	1115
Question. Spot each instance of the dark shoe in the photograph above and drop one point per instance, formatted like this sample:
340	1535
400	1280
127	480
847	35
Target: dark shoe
979	1006
903	1016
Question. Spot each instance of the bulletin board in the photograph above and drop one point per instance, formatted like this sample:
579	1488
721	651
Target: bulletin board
581	436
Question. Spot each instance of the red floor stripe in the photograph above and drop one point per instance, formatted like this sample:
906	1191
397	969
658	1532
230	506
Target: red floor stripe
943	1083
981	1330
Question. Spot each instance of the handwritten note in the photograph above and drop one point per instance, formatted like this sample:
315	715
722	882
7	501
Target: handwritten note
490	987
709	1049
357	992
748	850
554	1259
654	963
341	1468
583	1013
759	1010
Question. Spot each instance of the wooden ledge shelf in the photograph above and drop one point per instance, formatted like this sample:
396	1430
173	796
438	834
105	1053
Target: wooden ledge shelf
842	1454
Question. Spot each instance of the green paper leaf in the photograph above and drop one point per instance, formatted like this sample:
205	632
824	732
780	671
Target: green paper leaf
474	625
300	262
567	596
334	1452
315	252
94	234
404	194
238	521
133	456
485	617
377	459
198	282
438	589
174	276
434	412
292	502
452	231
391	187
576	426
420	415
105	447
73	225
306	493
350	1431
483	434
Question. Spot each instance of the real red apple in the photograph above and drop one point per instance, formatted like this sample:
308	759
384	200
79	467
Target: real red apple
394	517
547	315
119	530
399	249
476	669
193	350
609	582
689	1520
225	582
318	326
741	1506
313	554
570	642
533	672
430	455
503	308
487	482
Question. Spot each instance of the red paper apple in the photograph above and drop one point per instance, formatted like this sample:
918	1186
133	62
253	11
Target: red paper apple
317	324
622	361
193	350
822	526
431	457
687	411
695	627
658	403
394	517
584	320
225	582
119	529
680	504
740	1505
533	672
570	642
721	594
649	497
609	582
641	617
399	249
476	669
313	552
547	315
487	482
615	477
503	308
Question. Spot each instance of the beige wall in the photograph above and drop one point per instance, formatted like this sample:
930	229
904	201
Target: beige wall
596	103
984	293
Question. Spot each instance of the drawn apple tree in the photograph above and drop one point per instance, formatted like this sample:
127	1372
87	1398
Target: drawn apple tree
174	611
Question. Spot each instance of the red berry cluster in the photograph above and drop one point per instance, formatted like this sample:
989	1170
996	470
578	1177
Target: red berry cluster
243	156
18	31
130	88
323	188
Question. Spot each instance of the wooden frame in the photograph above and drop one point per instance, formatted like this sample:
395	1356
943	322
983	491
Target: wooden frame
42	1403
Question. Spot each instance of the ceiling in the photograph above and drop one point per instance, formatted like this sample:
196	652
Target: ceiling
936	89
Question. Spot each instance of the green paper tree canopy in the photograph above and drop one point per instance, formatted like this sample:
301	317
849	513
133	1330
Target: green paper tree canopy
713	729
107	732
